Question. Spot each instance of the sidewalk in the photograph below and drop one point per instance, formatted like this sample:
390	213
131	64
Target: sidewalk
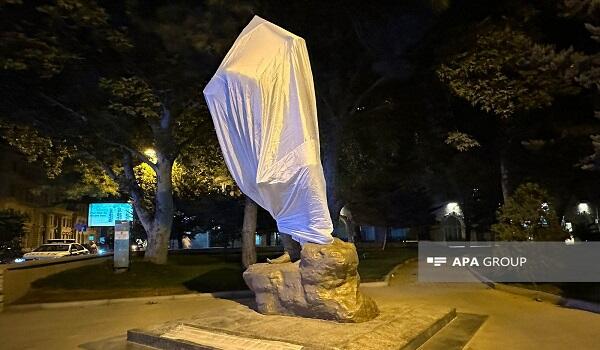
515	322
68	328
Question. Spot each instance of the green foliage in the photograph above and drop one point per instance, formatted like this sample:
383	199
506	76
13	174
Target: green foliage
585	9
461	141
132	97
36	147
587	70
91	181
200	171
592	162
528	215
12	229
45	36
506	73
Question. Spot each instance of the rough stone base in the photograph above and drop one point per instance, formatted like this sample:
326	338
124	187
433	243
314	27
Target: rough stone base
323	284
239	327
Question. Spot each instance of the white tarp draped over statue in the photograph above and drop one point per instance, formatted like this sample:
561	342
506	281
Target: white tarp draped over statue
262	101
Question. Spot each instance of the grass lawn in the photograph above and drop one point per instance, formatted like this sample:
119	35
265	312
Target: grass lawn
183	274
376	263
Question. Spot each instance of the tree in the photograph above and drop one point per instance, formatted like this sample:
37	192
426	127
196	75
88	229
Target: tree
528	215
507	74
12	229
356	48
148	109
384	173
587	71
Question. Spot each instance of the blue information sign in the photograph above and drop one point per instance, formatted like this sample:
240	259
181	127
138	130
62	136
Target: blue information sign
106	214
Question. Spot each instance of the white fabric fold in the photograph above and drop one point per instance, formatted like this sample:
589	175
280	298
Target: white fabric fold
262	101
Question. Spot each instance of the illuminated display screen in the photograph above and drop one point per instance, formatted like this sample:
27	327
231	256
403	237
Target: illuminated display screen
105	214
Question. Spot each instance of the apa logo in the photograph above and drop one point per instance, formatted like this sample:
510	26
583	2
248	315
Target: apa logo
437	260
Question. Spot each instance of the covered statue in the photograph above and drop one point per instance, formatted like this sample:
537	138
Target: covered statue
262	101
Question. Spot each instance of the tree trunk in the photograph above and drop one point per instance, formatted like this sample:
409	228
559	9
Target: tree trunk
159	231
388	231
249	233
504	177
381	235
330	164
349	230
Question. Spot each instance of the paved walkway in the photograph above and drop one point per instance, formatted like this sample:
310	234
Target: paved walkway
515	322
70	327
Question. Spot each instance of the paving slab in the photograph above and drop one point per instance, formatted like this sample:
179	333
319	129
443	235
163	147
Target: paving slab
236	327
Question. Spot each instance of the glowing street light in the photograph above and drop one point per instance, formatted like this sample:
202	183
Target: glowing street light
583	208
150	153
453	208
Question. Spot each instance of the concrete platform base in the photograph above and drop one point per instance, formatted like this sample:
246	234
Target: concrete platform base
240	327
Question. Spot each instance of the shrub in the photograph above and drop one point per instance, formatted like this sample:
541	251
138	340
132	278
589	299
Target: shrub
528	215
12	229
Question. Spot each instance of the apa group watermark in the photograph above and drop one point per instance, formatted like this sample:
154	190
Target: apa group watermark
509	261
489	261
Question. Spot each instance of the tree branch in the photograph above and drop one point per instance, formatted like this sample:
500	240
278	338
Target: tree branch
108	170
328	105
141	156
56	103
365	94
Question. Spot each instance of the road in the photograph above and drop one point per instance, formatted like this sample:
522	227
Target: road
515	322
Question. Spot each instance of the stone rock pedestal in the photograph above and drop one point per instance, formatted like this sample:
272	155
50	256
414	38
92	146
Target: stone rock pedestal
323	284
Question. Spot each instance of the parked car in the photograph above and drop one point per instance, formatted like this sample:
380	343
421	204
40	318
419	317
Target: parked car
56	250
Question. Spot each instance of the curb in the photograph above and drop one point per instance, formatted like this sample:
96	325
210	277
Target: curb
388	277
237	294
539	295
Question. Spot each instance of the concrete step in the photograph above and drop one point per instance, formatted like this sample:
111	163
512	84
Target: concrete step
456	334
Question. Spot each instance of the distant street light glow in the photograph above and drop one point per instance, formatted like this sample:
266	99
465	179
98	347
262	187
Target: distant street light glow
453	208
583	208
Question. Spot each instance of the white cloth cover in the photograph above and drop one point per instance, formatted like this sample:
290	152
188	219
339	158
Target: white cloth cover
262	101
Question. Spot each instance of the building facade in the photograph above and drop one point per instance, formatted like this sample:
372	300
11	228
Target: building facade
22	190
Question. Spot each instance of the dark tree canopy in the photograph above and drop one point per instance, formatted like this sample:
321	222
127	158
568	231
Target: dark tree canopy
419	102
